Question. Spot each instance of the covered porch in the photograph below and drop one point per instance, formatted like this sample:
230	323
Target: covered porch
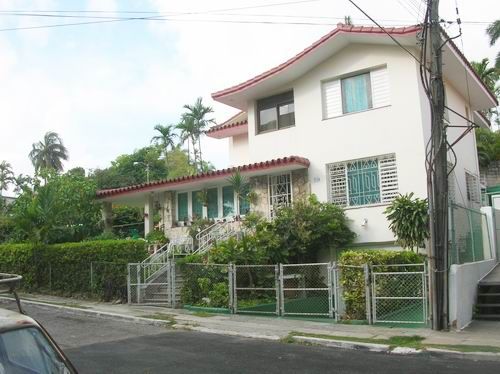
181	201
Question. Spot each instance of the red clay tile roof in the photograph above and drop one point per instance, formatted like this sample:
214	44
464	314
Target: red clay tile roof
284	161
340	28
238	119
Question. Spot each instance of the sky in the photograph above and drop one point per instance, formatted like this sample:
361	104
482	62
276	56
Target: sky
104	86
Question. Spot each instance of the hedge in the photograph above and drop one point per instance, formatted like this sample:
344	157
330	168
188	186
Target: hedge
352	279
65	269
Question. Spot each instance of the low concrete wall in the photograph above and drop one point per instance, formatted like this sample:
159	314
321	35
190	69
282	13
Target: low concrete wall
462	286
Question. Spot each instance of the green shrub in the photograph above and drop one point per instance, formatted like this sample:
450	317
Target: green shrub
156	237
352	279
64	269
206	286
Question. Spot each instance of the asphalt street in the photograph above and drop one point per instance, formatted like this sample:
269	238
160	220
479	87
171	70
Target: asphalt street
98	345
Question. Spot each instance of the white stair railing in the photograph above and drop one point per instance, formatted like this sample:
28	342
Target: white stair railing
216	232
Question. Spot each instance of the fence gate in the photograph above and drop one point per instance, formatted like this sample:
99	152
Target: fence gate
306	289
256	289
150	283
399	293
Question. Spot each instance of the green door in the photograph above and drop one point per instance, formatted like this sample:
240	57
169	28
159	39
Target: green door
197	204
213	203
227	201
182	206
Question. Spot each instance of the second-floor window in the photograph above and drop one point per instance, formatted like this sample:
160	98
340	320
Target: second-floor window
275	112
364	181
355	93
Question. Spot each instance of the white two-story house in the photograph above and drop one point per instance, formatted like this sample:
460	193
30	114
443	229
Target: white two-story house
346	119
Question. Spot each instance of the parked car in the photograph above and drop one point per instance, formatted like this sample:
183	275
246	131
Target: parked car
25	346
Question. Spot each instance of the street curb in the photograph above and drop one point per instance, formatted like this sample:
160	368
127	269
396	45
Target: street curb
372	347
97	313
490	356
228	332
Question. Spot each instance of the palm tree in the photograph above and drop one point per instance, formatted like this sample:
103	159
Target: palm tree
187	129
6	176
489	75
241	188
166	139
49	153
198	114
493	32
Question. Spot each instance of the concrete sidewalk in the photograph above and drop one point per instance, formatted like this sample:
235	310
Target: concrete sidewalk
479	333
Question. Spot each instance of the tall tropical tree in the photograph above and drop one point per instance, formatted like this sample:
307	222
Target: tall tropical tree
6	176
166	138
488	74
493	31
187	131
198	113
49	153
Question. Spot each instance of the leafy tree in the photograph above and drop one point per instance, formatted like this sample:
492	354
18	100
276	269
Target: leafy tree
63	209
166	139
488	146
196	115
488	74
493	31
49	153
409	221
6	176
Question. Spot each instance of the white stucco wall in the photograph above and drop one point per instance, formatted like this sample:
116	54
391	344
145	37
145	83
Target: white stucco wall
393	129
238	150
462	286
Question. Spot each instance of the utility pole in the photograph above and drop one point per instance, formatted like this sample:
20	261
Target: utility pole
438	189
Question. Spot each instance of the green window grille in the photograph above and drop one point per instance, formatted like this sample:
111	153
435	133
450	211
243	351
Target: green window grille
363	182
213	204
356	93
182	206
197	204
244	205
227	201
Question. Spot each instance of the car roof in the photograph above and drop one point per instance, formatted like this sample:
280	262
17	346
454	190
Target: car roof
10	319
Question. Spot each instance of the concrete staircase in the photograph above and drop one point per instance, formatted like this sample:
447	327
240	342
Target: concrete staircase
158	290
488	297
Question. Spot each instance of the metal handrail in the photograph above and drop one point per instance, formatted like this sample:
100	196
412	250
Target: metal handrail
12	281
209	228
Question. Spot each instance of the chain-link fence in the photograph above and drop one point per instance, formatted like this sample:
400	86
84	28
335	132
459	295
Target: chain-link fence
150	283
206	285
399	293
306	289
469	235
256	289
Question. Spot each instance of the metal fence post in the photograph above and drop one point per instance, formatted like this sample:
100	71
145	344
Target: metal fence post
336	293
232	288
91	279
330	289
173	285
129	293
368	294
50	276
138	285
281	300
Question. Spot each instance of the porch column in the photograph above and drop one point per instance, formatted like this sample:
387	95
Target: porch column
167	214
107	216
148	214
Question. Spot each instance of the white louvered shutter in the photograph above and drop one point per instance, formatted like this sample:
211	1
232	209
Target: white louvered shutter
332	99
338	184
388	179
381	95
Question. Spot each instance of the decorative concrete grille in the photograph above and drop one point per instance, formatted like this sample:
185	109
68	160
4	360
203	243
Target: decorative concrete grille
280	191
451	184
473	192
364	181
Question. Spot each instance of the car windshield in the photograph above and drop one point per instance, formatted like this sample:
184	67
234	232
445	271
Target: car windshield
27	351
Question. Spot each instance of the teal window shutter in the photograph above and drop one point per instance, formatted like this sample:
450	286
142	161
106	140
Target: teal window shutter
363	182
197	204
182	206
213	204
244	205
227	201
356	93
